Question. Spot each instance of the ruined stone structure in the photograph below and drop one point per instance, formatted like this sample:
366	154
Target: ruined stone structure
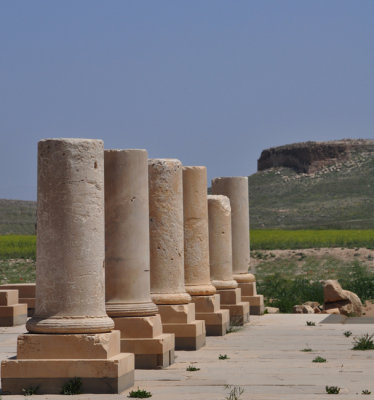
11	311
167	255
128	298
220	250
70	334
26	294
236	189
196	252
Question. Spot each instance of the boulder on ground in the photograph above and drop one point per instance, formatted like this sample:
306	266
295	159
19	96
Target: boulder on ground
303	309
335	296
271	310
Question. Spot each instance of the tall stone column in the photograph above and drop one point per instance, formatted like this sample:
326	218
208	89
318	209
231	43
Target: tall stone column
220	250
167	255
236	189
70	332
196	252
128	297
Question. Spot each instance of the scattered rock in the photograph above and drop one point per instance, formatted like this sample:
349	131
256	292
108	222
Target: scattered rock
335	296
303	309
271	310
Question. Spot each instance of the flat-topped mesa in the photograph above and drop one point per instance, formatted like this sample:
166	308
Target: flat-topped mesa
70	332
220	250
128	298
308	157
236	189
167	255
196	252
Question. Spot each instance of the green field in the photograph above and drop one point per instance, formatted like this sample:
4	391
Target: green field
268	239
17	246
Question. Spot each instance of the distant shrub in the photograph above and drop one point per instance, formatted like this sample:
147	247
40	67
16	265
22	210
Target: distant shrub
17	246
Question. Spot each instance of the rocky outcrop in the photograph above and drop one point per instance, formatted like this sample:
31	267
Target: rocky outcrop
308	157
335	297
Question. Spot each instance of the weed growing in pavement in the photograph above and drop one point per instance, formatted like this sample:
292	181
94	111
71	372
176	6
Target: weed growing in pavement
30	390
310	323
235	392
139	394
192	368
73	386
332	389
347	333
364	342
319	360
223	357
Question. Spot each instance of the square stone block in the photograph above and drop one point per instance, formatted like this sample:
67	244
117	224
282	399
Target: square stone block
68	346
230	296
151	353
13	315
216	323
239	313
8	297
177	313
206	304
256	304
113	375
139	327
24	289
189	336
248	288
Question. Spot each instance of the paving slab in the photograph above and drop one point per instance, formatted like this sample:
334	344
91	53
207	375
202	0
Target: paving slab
264	358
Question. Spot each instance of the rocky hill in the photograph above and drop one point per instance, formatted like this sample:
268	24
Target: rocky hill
314	185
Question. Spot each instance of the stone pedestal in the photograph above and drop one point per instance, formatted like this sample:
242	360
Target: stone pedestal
196	252
26	294
236	189
11	312
167	255
220	251
70	322
128	299
249	293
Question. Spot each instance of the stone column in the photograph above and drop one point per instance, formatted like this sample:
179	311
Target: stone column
128	298
196	252
236	189
70	298
220	250
167	255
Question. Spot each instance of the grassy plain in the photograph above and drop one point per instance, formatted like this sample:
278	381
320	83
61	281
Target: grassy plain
271	239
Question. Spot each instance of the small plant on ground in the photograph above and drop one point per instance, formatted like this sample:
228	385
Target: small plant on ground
306	350
30	390
192	368
347	333
332	389
223	357
310	323
235	392
73	386
319	360
139	394
365	392
232	329
364	342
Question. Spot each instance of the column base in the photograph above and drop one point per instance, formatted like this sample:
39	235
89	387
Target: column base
208	309
144	337
249	293
180	320
11	312
51	361
239	310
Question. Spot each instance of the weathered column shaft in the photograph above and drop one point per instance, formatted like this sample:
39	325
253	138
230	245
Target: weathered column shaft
167	255
236	189
196	232
70	244
166	232
220	247
127	234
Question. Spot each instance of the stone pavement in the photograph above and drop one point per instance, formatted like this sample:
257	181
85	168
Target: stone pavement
265	359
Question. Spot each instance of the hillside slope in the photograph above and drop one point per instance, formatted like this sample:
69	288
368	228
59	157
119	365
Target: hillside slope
17	217
337	193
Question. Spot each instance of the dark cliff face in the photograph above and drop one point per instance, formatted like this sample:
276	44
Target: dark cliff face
308	157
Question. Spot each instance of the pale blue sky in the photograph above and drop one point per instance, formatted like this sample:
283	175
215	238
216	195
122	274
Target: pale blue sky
207	81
